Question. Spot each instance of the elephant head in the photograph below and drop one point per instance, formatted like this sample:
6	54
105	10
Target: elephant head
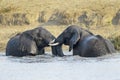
70	36
42	38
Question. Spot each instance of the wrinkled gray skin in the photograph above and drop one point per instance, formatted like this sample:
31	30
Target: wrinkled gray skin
30	42
83	43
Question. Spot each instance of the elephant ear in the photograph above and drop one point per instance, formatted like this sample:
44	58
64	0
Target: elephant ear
74	39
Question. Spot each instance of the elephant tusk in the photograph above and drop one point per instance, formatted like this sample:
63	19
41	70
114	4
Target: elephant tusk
52	41
53	44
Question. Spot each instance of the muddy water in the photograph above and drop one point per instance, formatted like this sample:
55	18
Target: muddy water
47	67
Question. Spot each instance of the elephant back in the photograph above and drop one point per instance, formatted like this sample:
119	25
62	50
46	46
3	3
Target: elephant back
92	47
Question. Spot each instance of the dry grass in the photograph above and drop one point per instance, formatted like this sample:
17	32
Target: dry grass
66	11
71	9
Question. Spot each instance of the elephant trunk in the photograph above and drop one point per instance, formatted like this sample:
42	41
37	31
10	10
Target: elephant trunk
54	50
57	49
54	46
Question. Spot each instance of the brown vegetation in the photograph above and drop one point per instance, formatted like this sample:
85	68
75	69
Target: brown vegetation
99	16
87	13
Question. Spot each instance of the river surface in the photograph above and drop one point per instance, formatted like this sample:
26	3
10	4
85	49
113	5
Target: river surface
47	67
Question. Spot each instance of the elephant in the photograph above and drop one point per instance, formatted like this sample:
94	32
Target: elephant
83	43
30	42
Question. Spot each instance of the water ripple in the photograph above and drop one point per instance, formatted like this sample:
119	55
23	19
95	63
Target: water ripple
68	58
